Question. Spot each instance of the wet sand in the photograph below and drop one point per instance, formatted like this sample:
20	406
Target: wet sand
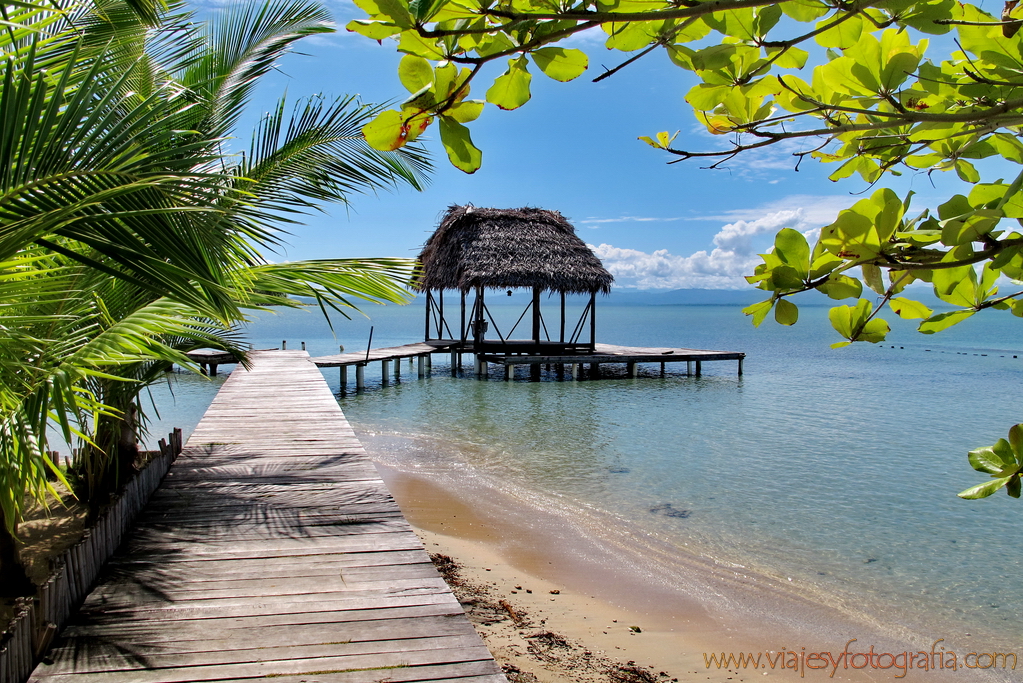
608	603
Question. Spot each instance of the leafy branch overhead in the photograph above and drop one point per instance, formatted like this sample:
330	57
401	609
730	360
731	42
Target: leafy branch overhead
856	84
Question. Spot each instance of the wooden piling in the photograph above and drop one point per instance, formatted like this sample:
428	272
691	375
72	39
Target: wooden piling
699	366
631	367
360	376
344	377
385	369
422	367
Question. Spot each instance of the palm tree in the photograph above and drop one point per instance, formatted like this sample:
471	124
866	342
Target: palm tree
128	234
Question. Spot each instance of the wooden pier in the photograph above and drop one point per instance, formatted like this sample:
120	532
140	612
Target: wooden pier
572	364
271	550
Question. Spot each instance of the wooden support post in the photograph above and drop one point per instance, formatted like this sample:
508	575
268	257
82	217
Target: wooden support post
422	367
360	376
476	370
534	372
536	314
484	368
385	370
662	369
631	369
740	367
429	362
454	363
213	369
429	300
575	371
689	368
284	345
595	370
303	346
397	368
699	365
560	369
344	377
509	372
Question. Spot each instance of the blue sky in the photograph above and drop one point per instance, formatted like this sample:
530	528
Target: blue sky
573	148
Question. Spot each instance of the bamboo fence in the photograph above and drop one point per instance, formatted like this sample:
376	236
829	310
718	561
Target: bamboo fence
37	620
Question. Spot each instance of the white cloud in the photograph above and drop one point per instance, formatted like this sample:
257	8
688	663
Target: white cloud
733	256
818	210
594	222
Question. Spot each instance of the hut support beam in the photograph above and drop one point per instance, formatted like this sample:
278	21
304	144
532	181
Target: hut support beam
561	336
536	314
740	367
631	368
699	367
422	367
593	319
360	376
429	300
385	370
344	378
454	363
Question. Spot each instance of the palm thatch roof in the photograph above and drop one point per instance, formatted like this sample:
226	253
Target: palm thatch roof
509	248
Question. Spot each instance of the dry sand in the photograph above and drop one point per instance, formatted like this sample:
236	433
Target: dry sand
549	615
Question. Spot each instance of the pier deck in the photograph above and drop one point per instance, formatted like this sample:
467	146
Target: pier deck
602	354
271	550
387	353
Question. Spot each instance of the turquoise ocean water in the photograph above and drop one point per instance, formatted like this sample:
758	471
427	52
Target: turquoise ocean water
835	470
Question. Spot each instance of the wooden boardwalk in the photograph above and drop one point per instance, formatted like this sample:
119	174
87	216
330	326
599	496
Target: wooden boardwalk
387	353
271	550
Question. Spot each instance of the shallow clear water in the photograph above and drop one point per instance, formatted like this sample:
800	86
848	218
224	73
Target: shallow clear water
836	469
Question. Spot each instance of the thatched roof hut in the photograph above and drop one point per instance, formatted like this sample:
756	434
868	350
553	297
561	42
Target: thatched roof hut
509	248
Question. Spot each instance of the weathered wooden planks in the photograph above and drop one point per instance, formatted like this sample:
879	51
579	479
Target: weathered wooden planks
388	353
272	549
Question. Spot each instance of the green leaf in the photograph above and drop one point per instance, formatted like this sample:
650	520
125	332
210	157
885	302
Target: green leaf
805	10
1016	442
842	287
511	89
943	321
759	311
909	309
374	30
792	248
966	171
414	44
786	312
386	132
466	111
561	64
415	73
844	35
992	459
872	276
984	490
462	153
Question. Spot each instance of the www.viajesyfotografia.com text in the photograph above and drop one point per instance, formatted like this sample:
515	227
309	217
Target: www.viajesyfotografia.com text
938	658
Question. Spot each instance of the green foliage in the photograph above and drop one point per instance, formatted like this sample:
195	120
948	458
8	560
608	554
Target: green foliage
128	236
1003	462
859	81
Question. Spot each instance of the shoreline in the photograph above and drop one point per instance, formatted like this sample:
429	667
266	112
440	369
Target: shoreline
601	596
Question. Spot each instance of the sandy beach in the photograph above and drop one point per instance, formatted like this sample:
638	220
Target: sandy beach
558	608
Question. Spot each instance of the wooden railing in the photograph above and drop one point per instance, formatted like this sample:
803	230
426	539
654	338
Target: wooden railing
37	620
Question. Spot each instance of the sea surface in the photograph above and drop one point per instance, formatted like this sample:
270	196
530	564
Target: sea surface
832	470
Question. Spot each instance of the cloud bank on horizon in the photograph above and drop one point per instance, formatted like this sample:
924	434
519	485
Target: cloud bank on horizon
734	254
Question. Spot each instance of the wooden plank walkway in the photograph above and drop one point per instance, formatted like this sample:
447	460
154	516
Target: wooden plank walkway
271	550
386	353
